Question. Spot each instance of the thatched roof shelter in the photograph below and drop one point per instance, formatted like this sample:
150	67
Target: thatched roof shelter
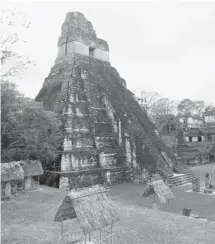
32	168
160	188
92	207
148	191
11	171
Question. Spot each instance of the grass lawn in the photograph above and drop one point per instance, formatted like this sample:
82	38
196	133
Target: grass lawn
201	204
200	171
29	219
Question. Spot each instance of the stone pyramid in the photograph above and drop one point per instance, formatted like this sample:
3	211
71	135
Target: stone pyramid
105	129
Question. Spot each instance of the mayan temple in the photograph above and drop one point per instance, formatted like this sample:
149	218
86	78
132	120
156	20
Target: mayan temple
106	133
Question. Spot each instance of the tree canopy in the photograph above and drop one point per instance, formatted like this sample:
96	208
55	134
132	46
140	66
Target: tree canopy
12	63
28	131
167	124
188	107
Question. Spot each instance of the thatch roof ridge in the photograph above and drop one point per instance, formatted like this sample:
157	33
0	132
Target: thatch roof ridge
11	171
92	206
32	167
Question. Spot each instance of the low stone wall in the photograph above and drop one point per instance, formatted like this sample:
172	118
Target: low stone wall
117	177
78	160
85	178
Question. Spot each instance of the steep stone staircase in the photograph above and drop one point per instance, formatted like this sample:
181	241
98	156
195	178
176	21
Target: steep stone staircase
184	175
182	178
106	141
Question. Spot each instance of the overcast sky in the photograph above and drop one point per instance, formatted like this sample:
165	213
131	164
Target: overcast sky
168	47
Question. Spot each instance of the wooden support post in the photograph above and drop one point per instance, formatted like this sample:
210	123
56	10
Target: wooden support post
14	187
111	234
61	230
28	182
8	189
38	186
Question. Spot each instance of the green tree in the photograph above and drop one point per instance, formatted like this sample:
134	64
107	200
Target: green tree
209	108
163	106
28	131
147	99
11	24
188	107
167	124
155	105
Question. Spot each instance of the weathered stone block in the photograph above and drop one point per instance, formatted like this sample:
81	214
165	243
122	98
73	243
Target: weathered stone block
66	164
208	180
196	184
64	183
107	159
83	162
83	142
102	141
67	144
108	177
81	109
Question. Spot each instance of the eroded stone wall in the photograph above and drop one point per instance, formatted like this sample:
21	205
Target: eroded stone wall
107	159
92	177
71	161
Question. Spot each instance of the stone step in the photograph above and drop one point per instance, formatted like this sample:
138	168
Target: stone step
182	173
189	173
179	183
187	177
181	179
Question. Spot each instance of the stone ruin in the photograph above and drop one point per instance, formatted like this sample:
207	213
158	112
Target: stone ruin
106	133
